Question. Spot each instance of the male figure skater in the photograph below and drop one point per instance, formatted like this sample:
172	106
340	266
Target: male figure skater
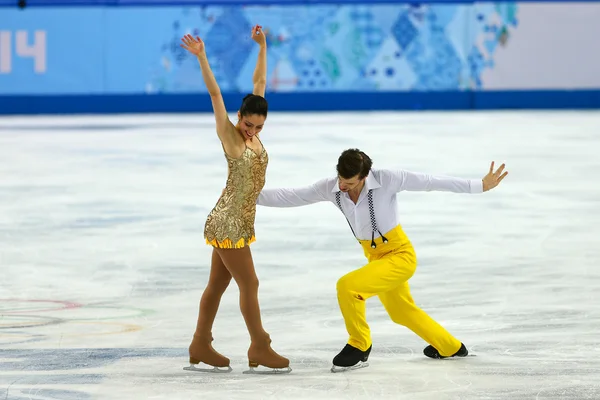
367	198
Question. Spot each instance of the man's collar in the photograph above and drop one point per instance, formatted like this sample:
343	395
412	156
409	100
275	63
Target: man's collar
370	183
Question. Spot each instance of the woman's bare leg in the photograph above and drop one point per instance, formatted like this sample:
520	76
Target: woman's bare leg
241	266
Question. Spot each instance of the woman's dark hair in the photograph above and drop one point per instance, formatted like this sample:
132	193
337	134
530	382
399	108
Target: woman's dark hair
254	104
353	162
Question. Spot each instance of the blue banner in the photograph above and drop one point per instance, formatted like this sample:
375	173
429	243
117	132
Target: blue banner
395	47
320	57
58	53
172	3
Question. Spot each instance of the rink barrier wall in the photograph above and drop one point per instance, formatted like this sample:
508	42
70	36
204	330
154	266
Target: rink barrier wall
382	55
190	103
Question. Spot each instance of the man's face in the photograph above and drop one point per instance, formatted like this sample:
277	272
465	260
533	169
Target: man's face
349	184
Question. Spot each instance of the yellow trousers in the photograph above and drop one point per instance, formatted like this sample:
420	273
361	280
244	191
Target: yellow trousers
390	266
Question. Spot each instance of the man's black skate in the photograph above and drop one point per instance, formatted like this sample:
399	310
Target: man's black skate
432	352
350	358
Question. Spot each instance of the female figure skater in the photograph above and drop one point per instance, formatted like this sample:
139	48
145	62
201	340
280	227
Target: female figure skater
229	228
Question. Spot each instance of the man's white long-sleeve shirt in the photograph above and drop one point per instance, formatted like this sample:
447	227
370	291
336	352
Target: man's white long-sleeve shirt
384	183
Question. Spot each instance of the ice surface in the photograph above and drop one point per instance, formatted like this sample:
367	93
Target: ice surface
102	259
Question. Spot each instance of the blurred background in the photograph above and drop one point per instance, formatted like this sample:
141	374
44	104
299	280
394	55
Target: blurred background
106	56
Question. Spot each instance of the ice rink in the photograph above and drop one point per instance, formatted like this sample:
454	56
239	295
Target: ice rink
103	261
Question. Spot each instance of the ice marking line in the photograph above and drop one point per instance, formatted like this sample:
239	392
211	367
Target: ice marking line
66	306
29	324
141	312
27	338
127	328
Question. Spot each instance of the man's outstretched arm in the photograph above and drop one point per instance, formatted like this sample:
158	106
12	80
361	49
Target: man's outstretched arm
294	197
401	180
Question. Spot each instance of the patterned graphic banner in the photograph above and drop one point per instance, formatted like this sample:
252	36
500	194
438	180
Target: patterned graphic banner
324	48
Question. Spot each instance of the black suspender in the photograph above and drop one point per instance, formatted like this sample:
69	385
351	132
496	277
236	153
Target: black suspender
371	214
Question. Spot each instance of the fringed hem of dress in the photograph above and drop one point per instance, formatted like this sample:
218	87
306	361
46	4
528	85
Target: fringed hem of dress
228	244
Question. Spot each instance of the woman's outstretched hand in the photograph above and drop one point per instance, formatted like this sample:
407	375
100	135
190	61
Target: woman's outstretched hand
193	45
258	35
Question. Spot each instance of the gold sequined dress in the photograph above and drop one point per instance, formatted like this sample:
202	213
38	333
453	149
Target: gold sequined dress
230	224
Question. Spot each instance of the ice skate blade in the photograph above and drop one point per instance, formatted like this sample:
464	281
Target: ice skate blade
209	368
452	358
360	365
273	371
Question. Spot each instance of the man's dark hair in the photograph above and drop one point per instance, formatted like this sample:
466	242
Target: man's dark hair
353	162
254	104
